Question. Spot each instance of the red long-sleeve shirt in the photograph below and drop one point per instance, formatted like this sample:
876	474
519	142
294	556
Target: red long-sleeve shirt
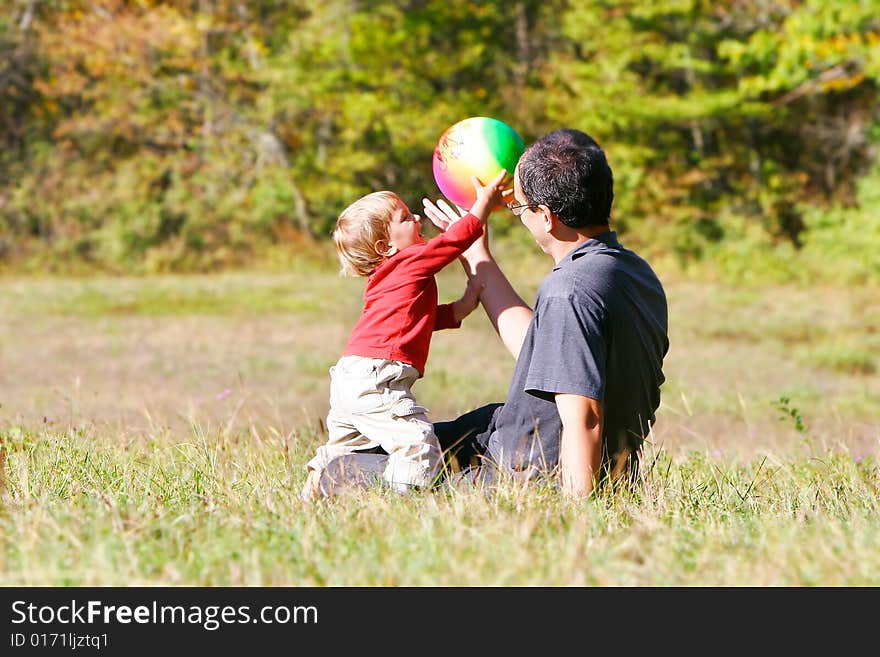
400	301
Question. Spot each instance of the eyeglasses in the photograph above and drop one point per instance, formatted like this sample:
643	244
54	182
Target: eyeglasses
519	209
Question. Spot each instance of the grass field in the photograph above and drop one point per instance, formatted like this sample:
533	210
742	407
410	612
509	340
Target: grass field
156	431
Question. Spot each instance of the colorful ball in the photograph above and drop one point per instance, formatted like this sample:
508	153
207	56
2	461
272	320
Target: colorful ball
479	146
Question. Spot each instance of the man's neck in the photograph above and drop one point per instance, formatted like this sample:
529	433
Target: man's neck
571	238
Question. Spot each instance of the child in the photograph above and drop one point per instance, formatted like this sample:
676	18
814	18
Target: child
371	401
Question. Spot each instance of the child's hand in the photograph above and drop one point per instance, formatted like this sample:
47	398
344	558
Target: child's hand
469	300
490	196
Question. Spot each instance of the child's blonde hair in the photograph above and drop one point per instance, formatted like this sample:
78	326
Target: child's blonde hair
359	227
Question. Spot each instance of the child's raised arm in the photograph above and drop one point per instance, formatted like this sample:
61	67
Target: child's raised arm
489	196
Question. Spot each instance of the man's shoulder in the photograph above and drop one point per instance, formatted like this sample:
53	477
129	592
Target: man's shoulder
605	266
584	276
558	283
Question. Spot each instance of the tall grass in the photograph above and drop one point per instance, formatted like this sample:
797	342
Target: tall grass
222	509
157	430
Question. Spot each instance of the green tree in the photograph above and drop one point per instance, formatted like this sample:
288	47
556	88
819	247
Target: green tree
715	112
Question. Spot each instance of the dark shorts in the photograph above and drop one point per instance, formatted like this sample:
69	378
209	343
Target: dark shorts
464	441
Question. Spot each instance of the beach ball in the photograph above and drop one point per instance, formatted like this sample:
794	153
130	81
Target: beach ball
479	146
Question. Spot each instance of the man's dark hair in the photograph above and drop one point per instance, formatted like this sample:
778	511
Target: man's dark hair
567	171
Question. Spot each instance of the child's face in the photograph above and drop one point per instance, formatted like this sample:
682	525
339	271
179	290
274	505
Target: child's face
405	228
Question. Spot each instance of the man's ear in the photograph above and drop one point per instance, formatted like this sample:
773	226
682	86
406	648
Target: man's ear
551	221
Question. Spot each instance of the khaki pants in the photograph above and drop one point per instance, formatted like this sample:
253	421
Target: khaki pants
372	405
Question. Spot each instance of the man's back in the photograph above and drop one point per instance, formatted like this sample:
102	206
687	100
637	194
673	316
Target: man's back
600	331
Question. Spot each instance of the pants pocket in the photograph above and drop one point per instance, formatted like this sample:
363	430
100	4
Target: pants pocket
407	407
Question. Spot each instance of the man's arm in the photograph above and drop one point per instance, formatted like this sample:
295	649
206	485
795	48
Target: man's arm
580	455
509	314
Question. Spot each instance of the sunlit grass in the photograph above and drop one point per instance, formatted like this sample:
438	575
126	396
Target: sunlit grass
157	430
222	508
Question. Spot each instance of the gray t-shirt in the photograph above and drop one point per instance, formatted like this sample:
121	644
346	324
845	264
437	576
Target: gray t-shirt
599	330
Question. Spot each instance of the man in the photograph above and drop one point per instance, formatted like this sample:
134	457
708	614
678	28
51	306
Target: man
589	357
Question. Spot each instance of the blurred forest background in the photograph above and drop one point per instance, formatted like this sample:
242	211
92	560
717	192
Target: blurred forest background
198	135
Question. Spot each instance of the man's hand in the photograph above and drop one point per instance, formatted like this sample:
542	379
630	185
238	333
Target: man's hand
443	215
